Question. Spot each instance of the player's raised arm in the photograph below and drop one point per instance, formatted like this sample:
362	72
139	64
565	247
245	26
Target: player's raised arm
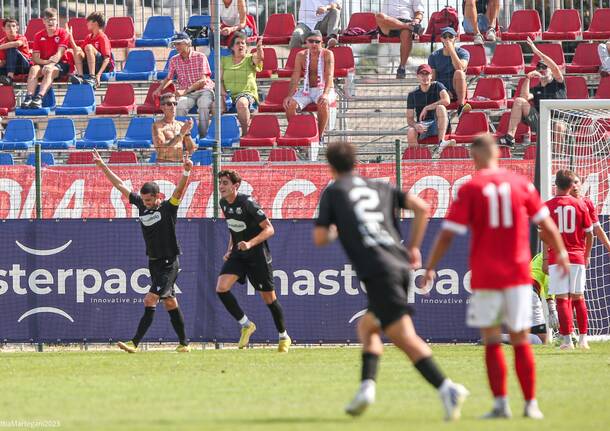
114	179
177	195
418	228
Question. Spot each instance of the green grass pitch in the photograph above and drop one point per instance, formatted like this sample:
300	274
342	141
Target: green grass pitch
306	389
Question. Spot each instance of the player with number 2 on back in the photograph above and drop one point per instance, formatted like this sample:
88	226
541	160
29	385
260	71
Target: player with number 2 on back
497	206
364	214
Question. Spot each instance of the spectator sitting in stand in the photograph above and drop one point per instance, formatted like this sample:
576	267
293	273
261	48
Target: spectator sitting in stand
233	18
480	16
322	15
15	53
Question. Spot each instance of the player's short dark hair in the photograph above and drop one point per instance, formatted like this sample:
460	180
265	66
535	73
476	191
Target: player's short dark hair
231	175
564	179
49	12
10	21
150	188
341	156
483	140
98	18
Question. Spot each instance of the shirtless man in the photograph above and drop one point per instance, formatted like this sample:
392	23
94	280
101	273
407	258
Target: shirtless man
172	138
318	65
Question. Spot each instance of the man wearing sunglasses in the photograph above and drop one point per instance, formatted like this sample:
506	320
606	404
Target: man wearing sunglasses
172	138
526	107
317	65
449	68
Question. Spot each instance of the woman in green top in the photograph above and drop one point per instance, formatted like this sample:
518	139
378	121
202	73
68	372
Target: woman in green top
239	77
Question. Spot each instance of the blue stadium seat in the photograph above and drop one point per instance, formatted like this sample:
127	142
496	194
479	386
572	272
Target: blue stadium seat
79	100
139	66
100	133
6	159
202	157
158	31
230	133
139	134
200	21
46	159
19	135
163	74
153	157
48	105
223	53
194	130
60	134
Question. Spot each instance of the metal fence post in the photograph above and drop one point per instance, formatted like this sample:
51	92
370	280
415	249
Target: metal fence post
216	158
397	163
38	169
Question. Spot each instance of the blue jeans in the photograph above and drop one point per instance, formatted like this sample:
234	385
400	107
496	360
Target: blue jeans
483	22
15	63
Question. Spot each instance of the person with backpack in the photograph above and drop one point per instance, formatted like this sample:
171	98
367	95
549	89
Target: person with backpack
401	18
481	16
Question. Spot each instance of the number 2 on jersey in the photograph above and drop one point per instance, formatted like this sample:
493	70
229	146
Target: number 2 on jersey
499	201
366	206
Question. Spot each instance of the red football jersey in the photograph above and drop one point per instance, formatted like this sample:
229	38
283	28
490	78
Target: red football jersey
101	43
47	45
24	49
572	218
497	206
592	211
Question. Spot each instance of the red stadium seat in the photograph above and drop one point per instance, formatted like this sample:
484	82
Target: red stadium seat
119	100
269	64
523	24
123	157
470	124
455	152
523	130
585	60
246	155
344	61
517	93
507	60
263	132
274	102
489	94
279	28
121	32
505	152
478	59
363	20
7	100
34	26
283	155
80	158
286	71
79	28
530	153
576	87
416	153
553	50
302	131
603	90
565	25
427	36
599	29
150	105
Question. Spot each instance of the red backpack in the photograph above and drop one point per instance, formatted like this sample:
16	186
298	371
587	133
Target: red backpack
446	17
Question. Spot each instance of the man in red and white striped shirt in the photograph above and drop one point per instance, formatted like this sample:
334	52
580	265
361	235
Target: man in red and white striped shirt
194	84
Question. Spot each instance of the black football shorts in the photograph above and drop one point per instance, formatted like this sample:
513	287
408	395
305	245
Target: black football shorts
163	275
255	266
388	296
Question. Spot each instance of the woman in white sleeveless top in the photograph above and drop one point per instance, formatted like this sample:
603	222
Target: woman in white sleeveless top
233	17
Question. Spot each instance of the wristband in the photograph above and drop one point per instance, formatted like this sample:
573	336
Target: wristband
563	254
186	173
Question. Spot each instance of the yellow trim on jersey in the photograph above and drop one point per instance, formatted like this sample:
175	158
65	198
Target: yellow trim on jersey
175	202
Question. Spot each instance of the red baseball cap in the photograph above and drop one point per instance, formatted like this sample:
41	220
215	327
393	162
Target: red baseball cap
424	68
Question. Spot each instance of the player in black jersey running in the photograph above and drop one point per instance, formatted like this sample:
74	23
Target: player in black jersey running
158	221
247	256
364	214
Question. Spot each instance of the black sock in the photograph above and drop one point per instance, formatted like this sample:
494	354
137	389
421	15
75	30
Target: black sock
369	366
177	319
278	315
231	305
145	322
428	368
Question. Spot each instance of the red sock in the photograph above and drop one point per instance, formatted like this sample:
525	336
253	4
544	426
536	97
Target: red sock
564	311
526	370
496	369
580	307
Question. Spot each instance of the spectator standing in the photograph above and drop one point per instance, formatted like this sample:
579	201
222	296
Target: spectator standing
322	15
480	16
15	53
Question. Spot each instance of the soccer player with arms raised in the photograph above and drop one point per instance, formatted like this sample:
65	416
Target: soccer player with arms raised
497	205
247	256
158	221
364	214
573	219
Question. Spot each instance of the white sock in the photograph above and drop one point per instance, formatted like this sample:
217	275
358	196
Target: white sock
445	385
284	334
443	144
367	384
567	339
244	322
582	338
500	402
531	402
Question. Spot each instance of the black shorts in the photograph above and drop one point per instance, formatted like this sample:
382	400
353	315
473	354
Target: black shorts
394	33
64	68
532	119
538	329
163	275
99	59
388	296
256	267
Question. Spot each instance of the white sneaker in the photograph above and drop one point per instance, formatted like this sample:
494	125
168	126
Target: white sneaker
491	34
566	346
584	344
453	396
532	410
499	412
478	39
364	398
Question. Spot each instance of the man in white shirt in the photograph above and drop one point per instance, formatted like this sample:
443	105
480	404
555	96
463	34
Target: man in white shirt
323	15
603	49
401	18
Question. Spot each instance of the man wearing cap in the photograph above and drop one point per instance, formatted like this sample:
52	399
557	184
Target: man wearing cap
401	18
449	68
426	110
194	85
526	107
322	15
316	65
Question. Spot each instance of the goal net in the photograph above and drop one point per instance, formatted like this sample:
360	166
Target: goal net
575	135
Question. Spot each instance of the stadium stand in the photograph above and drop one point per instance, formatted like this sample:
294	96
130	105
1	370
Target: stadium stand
229	131
80	158
138	135
364	21
139	66
162	74
523	24
34	26
576	87
274	102
489	94
603	90
118	100
470	124
344	61
302	131
478	59
151	104
455	152
278	29
270	64
585	60
7	100
48	105
79	28
599	29
246	155
200	22
523	130
100	133
282	155
263	132
78	100
517	92
553	50
202	157
19	135
194	130
118	157
506	60
416	153
6	159
158	32
565	25
121	32
286	71
46	159
530	153
60	134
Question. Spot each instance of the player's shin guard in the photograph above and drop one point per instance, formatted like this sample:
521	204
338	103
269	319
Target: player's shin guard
231	305
496	369
145	322
177	319
370	362
278	315
580	307
430	371
526	370
564	311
